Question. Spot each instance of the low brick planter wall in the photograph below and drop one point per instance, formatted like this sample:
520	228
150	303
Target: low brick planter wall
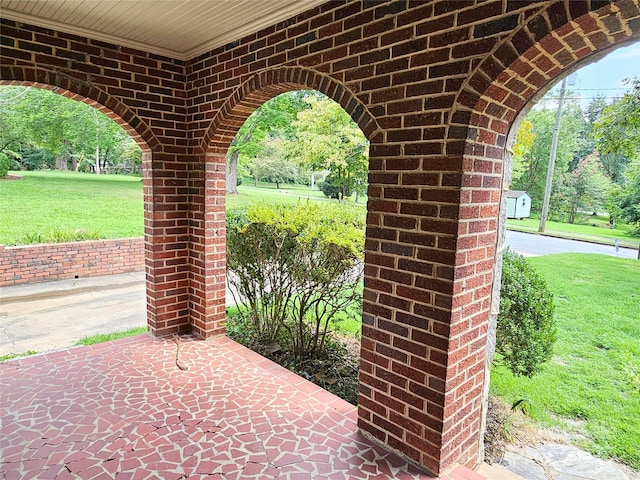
59	261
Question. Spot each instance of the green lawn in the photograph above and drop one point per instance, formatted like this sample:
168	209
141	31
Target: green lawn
108	337
592	385
46	201
593	228
110	205
267	192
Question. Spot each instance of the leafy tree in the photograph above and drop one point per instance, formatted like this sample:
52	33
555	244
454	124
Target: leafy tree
327	138
33	118
617	129
536	160
624	201
14	132
614	165
132	156
273	165
333	188
273	119
37	159
584	188
617	133
614	162
521	148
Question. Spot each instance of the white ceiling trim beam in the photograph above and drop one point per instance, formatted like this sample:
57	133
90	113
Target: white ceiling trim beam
84	32
157	43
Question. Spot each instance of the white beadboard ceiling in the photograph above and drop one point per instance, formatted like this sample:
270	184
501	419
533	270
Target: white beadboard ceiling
180	29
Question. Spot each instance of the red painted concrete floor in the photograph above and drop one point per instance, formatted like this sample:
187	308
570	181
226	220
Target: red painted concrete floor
124	410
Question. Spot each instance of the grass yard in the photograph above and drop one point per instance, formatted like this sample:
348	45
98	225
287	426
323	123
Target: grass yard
45	201
267	192
595	229
109	205
591	387
108	337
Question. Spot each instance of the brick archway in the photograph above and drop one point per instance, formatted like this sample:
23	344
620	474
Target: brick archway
74	89
137	129
551	45
442	82
208	242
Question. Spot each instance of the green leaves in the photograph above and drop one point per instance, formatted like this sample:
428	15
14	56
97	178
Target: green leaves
526	327
293	269
617	129
296	133
37	119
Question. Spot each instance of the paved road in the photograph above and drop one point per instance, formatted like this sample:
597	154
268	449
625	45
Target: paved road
54	315
531	245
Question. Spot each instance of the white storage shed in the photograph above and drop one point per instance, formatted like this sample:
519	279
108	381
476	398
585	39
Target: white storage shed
518	204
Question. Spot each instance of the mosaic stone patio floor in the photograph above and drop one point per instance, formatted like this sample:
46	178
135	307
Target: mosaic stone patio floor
124	410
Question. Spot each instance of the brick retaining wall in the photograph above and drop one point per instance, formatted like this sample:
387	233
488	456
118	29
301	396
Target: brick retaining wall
58	261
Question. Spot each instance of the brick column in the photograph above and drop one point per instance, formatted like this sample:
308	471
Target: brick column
208	246
425	311
166	242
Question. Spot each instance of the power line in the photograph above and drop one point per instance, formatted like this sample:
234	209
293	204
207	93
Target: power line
598	89
578	98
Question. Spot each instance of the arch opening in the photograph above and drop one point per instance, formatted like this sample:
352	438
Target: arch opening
505	101
208	236
286	147
67	222
589	168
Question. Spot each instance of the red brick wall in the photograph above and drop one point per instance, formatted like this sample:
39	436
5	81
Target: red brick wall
435	86
59	261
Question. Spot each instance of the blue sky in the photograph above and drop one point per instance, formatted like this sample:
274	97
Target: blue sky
605	76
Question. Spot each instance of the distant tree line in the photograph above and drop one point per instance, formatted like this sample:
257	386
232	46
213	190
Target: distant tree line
598	158
300	136
293	136
40	129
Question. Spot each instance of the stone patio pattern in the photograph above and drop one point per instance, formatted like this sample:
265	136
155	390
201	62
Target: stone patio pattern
435	86
124	410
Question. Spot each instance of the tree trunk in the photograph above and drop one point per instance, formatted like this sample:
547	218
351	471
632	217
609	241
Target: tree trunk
98	160
232	173
61	163
95	118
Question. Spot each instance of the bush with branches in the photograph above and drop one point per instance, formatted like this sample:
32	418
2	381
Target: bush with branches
292	269
526	327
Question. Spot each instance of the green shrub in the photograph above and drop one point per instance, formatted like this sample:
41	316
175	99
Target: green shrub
4	165
60	236
332	187
293	269
526	327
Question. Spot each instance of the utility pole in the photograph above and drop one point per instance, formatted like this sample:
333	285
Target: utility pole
552	159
